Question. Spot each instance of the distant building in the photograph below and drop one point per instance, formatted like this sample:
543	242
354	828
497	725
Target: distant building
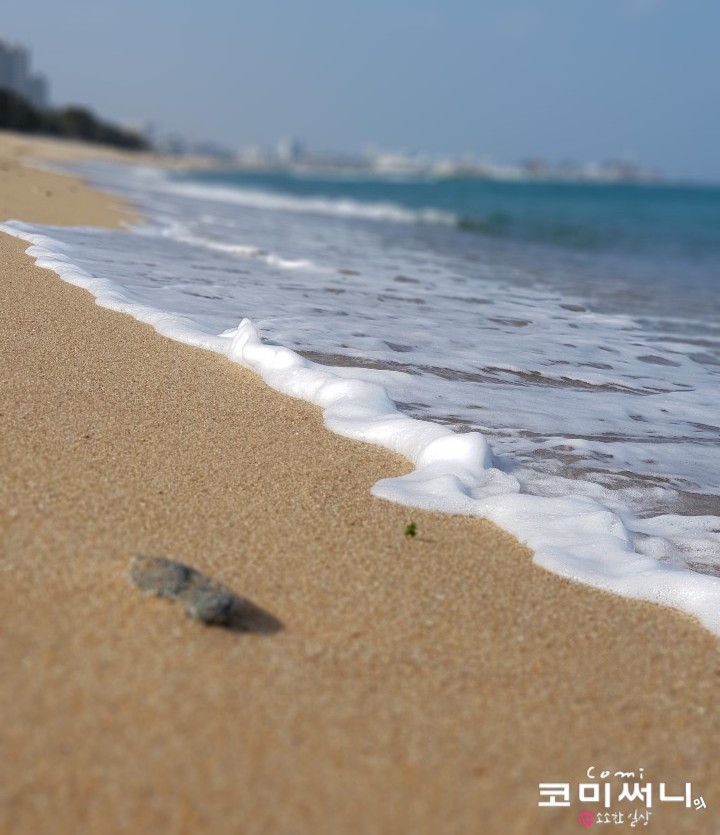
37	92
290	150
15	75
4	66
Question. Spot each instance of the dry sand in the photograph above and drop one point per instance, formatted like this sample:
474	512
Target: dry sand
422	686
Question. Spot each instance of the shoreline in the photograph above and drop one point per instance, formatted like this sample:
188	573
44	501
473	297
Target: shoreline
396	689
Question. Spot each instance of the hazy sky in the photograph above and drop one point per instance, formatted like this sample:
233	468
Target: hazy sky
579	79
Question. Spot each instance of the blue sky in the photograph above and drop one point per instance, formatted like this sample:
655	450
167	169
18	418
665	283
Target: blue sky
564	79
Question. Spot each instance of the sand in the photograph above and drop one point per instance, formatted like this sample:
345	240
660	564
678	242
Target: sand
417	686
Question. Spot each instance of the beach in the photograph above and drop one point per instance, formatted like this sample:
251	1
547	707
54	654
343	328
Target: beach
424	685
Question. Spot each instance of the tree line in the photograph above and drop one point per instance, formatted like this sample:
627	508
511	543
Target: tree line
70	122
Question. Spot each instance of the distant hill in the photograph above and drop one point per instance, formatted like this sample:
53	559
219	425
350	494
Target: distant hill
72	122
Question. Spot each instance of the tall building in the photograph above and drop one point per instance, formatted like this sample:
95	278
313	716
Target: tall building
290	150
15	75
37	92
6	64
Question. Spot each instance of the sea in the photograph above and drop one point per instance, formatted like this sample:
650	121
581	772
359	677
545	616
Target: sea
546	354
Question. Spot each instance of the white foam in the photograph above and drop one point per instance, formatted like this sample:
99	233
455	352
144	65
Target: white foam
51	254
179	232
601	425
574	536
338	207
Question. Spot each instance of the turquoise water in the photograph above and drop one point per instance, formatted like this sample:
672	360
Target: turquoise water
678	220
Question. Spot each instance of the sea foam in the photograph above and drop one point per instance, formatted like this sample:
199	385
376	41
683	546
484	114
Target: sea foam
574	536
514	403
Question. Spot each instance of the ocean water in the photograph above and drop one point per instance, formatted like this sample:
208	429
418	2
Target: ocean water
548	355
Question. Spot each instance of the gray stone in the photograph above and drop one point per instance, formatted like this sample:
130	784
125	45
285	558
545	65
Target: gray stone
160	576
202	597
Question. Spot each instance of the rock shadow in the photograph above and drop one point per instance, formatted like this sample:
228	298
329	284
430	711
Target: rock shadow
203	598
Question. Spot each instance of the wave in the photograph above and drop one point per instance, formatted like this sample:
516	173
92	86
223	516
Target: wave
335	207
493	224
572	535
179	232
505	225
572	216
496	224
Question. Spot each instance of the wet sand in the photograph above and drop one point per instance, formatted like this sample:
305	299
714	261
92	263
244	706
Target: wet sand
416	686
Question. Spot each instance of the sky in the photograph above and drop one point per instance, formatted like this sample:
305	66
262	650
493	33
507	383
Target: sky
581	80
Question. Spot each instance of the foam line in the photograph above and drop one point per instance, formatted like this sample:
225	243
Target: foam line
571	535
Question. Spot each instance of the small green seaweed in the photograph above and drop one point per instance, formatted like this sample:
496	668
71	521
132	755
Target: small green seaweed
410	530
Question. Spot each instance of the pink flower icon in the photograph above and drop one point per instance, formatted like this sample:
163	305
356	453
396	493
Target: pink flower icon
586	819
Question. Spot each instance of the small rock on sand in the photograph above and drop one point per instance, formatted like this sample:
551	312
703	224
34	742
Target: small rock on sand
202	597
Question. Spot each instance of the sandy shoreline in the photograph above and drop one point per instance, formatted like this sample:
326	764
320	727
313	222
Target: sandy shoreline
421	686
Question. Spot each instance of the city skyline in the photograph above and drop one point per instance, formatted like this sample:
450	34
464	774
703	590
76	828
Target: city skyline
16	75
633	79
291	154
